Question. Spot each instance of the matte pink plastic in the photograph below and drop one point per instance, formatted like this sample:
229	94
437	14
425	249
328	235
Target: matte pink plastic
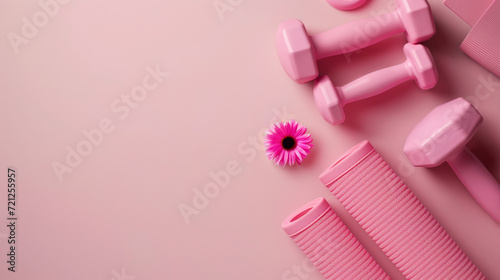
299	51
345	5
441	136
394	217
329	244
419	65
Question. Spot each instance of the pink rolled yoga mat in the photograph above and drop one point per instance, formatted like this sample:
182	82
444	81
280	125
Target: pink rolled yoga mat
394	217
329	244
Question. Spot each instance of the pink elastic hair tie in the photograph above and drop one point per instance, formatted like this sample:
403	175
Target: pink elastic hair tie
329	244
394	217
483	41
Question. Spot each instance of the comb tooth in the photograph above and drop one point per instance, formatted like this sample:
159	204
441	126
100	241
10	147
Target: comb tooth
394	217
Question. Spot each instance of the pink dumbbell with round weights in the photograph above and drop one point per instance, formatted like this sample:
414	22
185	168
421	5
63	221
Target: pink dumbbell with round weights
299	51
330	99
441	136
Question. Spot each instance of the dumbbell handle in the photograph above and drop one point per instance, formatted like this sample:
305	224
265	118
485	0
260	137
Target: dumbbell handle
478	180
375	83
356	35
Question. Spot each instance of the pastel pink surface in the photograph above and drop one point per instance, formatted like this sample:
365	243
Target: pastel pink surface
118	210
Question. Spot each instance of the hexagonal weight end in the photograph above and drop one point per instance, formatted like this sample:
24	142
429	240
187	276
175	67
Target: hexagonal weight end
442	133
328	100
422	65
417	18
295	51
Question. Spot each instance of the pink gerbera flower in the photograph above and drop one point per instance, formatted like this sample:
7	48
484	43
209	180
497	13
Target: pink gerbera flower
287	143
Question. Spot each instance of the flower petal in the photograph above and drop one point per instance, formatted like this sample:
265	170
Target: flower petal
278	161
299	156
277	152
302	151
292	158
300	131
304	138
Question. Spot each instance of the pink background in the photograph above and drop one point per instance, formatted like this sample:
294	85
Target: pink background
116	215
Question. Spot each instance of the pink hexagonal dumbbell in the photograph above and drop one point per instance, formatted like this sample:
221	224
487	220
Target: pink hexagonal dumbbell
419	66
441	136
299	51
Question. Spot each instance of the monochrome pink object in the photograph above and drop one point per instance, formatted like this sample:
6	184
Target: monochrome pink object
483	41
419	66
116	215
298	51
288	143
394	217
329	244
345	5
469	11
441	136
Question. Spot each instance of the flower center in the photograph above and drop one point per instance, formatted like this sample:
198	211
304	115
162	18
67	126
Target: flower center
288	143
